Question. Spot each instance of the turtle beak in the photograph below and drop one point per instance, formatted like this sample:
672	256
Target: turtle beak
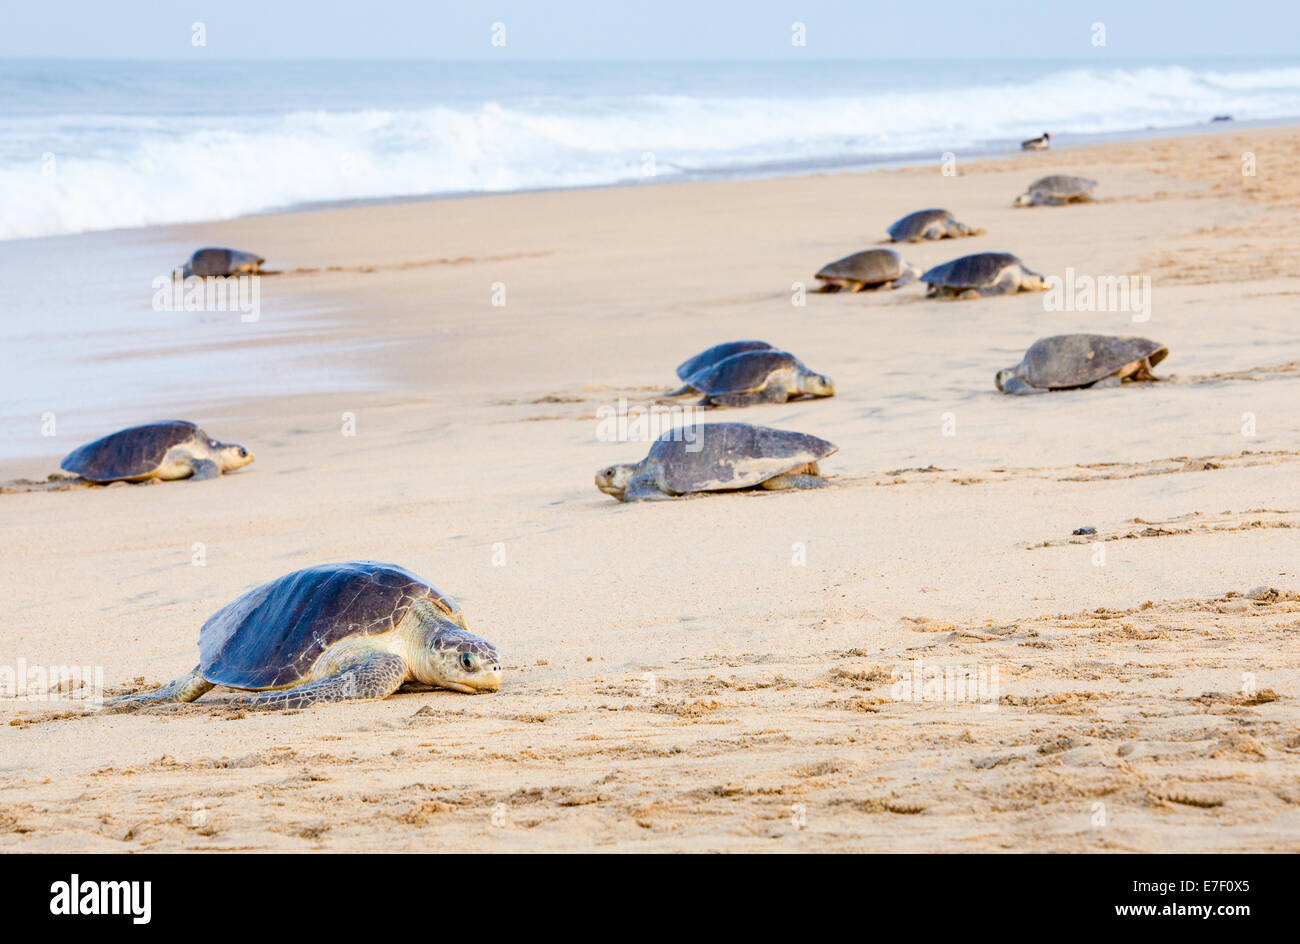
605	482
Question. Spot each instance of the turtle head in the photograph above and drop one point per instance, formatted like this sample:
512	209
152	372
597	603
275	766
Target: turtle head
1003	376
1031	281
454	658
245	263
614	479
819	385
1025	199
231	456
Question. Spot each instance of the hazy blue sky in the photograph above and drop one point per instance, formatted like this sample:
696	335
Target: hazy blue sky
647	29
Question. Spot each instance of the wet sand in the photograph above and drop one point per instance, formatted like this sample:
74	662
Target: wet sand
721	673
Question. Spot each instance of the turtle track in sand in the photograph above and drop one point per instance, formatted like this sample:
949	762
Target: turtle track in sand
1083	472
367	269
1195	522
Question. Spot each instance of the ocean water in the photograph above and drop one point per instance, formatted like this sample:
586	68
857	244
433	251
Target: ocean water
100	145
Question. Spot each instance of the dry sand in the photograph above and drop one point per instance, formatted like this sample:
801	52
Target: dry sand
675	680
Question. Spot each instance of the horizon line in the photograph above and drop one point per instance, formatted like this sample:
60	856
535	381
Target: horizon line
508	57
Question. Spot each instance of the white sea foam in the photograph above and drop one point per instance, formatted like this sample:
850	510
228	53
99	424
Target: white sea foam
116	170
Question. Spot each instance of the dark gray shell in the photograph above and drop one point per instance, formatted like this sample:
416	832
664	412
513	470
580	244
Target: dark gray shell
974	271
206	263
912	226
1062	185
741	373
272	635
710	457
130	453
871	267
717	353
1076	360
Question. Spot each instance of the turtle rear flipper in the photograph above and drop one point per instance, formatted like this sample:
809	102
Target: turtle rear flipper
772	393
373	677
794	480
1143	372
184	689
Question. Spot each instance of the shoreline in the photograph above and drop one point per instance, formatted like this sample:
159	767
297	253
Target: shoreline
311	306
846	164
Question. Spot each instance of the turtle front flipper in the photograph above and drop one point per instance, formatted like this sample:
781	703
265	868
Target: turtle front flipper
184	689
1018	387
204	469
375	676
910	275
645	488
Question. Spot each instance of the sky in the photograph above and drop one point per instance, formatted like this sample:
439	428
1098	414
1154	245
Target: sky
647	29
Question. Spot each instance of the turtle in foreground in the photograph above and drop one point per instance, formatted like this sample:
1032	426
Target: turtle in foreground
1057	190
715	457
351	631
869	269
175	449
207	263
984	273
1068	361
717	353
750	377
930	224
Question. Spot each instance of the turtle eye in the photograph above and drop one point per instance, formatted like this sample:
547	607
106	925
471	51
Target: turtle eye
243	453
609	473
467	662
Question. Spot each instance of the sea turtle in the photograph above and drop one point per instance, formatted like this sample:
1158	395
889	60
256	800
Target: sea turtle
213	262
869	269
1057	190
354	630
930	224
717	353
1081	360
984	273
763	376
174	449
1041	143
714	457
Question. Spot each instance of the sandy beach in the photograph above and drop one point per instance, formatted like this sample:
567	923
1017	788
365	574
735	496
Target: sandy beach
720	673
